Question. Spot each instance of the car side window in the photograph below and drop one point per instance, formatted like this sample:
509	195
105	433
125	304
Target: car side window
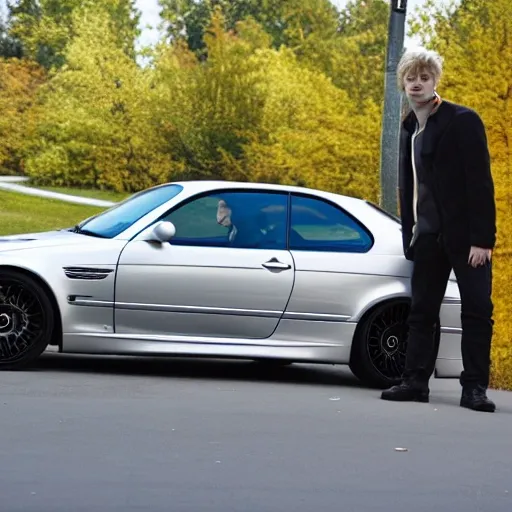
317	225
237	219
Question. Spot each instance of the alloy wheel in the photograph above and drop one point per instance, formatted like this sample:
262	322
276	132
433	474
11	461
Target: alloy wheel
22	319
386	341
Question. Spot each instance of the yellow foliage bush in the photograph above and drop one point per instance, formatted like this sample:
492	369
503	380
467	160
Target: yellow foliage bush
19	83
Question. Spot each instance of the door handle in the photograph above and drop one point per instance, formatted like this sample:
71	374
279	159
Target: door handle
274	263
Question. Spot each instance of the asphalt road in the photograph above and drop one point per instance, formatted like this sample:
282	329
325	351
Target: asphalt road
113	434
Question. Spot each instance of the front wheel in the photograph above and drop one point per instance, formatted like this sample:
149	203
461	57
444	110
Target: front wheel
26	320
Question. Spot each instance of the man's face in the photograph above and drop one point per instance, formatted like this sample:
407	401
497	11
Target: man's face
419	86
223	214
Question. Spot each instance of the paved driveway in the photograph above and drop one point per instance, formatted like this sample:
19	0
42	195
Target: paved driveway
113	434
15	184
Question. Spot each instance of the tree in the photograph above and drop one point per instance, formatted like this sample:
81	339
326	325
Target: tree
311	133
210	108
352	52
96	127
19	83
45	27
288	22
253	113
349	47
308	20
9	47
359	57
475	39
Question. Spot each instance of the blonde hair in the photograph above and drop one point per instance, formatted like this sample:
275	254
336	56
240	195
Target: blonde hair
415	61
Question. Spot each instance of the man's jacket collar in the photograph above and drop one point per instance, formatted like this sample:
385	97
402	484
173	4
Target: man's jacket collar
440	116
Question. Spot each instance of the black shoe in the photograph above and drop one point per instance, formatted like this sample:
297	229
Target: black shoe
406	392
475	398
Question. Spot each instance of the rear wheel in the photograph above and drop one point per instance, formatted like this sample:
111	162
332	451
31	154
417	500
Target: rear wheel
26	320
380	345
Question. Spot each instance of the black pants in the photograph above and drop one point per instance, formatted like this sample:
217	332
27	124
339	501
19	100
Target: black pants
431	271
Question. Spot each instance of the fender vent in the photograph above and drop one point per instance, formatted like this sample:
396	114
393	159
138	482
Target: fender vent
86	273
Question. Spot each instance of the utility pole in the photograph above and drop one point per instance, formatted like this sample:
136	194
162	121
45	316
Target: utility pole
392	107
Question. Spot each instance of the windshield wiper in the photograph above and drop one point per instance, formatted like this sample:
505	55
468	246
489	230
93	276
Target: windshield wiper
81	231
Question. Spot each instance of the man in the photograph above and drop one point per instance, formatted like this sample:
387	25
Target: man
246	227
224	213
448	215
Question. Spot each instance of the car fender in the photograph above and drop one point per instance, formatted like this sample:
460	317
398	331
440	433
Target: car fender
398	289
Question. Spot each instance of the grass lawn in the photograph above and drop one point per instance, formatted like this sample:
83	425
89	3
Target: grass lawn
20	213
104	195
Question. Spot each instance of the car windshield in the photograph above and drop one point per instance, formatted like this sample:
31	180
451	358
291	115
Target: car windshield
120	217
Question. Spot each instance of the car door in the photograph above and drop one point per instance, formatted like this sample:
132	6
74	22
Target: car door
329	249
225	273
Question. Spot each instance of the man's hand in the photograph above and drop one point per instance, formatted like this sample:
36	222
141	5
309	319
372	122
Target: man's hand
479	256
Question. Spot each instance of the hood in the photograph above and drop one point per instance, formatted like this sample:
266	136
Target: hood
37	240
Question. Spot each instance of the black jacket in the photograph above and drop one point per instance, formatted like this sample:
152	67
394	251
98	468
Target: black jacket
456	159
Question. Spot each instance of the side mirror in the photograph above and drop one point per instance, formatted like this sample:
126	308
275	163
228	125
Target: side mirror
161	232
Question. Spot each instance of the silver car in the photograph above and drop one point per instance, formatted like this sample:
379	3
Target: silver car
272	273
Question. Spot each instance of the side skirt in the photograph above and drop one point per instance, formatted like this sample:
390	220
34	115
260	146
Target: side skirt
296	340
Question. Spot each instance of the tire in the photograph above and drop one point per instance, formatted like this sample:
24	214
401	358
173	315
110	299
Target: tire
26	320
380	345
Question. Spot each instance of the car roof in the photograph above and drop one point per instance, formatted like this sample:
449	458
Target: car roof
198	186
